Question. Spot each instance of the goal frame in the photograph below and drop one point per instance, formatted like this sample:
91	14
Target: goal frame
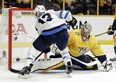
10	13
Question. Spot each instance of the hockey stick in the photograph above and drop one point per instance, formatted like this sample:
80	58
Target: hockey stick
28	36
87	64
17	71
100	34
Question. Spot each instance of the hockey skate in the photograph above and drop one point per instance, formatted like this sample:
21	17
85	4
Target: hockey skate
69	68
113	59
24	73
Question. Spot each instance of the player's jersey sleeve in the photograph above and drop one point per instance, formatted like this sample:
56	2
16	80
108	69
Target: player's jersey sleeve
96	49
64	15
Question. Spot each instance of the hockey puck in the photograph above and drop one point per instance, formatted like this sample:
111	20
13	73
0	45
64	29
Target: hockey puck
17	59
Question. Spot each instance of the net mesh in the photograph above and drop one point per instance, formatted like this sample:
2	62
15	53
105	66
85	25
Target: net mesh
17	32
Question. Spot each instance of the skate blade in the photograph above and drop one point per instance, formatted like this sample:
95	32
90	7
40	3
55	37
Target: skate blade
23	76
113	59
69	75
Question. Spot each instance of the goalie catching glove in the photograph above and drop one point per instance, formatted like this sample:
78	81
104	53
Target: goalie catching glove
107	66
72	23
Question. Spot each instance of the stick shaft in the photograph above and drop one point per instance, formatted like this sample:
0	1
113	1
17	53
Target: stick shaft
87	64
100	34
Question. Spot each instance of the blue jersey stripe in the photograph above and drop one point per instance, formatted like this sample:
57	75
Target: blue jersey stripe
66	14
61	13
53	31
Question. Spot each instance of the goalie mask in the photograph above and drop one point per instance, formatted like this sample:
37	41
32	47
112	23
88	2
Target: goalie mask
39	10
86	30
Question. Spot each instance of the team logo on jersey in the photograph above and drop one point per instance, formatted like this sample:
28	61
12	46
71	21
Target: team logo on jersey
83	50
77	33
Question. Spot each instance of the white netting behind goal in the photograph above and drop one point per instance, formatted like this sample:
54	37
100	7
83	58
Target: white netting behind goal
17	32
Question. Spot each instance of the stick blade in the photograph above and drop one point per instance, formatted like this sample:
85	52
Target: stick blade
14	70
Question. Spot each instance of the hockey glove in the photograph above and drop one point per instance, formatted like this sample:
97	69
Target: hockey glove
72	23
107	66
110	31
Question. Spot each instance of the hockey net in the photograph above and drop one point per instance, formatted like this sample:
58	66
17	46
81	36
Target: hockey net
17	32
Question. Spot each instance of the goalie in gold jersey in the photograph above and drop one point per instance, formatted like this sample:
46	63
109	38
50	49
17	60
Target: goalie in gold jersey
81	41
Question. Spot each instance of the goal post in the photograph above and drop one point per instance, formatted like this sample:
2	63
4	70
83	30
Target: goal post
25	24
18	23
10	41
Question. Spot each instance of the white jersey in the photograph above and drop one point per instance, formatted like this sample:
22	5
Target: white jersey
51	19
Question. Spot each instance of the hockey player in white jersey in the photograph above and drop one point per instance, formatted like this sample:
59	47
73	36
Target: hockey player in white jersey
52	29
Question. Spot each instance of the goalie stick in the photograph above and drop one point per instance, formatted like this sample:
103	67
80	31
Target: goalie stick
87	64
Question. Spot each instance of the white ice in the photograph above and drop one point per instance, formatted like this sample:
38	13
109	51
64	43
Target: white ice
77	76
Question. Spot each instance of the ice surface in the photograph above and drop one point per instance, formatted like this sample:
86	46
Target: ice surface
77	76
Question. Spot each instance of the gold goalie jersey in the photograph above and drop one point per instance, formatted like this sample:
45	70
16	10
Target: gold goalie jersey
78	47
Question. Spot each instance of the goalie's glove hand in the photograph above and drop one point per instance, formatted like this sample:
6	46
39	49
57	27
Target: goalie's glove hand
110	31
72	23
107	66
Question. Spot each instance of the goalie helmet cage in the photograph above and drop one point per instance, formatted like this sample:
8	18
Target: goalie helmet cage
10	32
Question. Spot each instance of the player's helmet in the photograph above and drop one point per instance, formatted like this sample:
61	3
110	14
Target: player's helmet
86	30
39	10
